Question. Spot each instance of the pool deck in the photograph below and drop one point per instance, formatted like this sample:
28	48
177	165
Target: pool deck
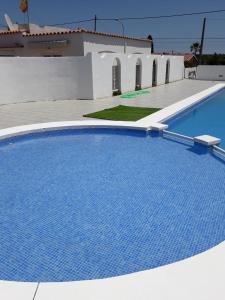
200	277
69	110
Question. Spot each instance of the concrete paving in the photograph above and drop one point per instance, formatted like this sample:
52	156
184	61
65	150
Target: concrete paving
70	110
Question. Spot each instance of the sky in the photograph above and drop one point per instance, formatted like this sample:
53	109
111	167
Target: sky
60	11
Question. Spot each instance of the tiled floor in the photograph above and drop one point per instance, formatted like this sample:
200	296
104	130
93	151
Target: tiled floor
68	110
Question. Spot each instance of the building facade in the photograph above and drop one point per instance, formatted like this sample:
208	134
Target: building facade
68	43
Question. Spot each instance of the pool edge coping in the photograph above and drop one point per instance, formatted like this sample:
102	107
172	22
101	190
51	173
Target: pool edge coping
180	106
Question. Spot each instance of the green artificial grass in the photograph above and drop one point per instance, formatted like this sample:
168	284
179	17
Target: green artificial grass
123	113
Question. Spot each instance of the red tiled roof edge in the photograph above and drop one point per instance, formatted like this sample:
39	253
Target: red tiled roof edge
88	32
9	32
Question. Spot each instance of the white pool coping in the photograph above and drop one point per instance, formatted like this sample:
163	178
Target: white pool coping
172	110
200	277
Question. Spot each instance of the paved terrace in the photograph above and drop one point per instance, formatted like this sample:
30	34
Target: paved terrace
69	110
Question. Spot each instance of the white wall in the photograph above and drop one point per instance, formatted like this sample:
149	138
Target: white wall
32	48
31	79
73	48
101	43
25	79
102	71
208	72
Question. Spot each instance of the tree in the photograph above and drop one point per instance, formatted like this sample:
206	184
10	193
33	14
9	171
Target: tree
195	48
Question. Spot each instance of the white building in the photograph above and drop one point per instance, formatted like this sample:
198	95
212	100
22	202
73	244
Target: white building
78	64
68	43
21	40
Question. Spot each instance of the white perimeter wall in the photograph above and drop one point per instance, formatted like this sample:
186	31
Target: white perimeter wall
24	79
102	71
208	72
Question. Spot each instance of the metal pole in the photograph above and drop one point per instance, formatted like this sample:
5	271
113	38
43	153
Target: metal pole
95	23
123	28
202	41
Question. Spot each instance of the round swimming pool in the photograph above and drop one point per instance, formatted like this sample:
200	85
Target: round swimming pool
88	204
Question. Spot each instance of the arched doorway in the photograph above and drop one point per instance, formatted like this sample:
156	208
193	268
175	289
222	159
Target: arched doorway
167	79
116	77
154	73
138	75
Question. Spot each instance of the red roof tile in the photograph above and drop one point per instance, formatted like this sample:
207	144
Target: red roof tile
9	32
85	31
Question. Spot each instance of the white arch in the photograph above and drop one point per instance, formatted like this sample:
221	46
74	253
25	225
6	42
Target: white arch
116	62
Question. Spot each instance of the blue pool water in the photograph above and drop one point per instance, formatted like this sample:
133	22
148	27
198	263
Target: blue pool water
208	117
90	204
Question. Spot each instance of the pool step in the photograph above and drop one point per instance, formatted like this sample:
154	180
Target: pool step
207	140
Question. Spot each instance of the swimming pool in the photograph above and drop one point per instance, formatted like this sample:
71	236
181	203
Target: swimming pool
207	117
97	203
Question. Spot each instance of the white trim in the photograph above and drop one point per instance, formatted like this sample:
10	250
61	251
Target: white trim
172	110
20	130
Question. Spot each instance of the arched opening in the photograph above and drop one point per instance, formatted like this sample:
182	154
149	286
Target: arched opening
116	77
138	75
167	80
154	73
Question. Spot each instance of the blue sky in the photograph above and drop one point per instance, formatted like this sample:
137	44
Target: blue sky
56	11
